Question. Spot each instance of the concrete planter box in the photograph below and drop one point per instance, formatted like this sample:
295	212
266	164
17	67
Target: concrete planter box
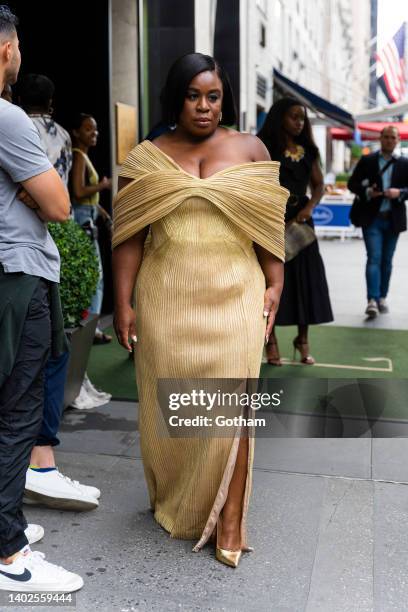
81	343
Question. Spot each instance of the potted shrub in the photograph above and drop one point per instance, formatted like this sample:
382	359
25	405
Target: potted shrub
79	277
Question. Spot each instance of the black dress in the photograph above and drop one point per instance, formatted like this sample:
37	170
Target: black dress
305	297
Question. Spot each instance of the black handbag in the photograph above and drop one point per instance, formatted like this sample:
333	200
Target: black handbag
356	211
358	208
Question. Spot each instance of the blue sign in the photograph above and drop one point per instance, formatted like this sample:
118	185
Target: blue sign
332	215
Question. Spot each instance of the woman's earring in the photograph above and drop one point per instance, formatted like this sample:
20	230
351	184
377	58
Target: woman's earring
173	127
220	118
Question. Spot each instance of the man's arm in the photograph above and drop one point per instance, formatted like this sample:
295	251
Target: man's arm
49	193
403	196
23	158
403	191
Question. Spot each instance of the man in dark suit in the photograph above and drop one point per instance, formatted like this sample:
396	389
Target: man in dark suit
380	180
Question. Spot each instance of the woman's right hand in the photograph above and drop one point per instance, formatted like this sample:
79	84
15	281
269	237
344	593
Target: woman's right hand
124	322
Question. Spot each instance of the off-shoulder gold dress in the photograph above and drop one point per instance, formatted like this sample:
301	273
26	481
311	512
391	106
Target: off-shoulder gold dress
199	313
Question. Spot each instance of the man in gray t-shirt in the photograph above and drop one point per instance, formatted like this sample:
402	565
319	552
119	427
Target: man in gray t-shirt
29	270
25	243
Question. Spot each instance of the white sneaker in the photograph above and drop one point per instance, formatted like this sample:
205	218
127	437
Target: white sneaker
34	533
29	572
54	490
372	309
93	392
383	306
85	401
87	490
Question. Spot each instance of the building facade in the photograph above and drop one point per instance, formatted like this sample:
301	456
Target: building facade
323	45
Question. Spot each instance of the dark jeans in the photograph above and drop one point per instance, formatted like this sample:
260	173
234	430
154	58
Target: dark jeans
21	409
55	376
380	244
82	214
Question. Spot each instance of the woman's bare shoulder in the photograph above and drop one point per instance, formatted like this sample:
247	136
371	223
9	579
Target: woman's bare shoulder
78	156
251	144
164	140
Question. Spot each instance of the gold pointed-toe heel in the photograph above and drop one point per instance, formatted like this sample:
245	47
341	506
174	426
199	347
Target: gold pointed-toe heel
228	557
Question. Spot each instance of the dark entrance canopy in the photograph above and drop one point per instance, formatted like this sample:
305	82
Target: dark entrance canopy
313	101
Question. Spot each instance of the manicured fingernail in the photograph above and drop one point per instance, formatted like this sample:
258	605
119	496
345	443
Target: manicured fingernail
266	339
266	313
134	338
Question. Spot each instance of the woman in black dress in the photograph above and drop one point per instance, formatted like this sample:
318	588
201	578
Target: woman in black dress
305	299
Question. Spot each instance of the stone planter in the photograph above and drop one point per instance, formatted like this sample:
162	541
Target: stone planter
81	343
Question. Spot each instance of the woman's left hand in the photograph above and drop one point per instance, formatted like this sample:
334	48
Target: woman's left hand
271	303
305	214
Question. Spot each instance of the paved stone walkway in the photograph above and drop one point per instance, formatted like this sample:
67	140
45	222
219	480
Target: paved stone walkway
327	520
327	517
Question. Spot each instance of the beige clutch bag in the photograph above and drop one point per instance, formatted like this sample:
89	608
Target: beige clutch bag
297	237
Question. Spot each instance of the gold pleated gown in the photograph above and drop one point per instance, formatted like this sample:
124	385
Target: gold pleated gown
199	314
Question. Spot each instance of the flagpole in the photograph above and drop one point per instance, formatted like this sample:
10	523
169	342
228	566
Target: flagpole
406	58
372	88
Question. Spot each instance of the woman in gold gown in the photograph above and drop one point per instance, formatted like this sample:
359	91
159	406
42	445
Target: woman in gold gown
207	286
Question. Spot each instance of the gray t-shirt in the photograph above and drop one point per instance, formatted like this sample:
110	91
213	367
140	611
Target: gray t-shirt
25	243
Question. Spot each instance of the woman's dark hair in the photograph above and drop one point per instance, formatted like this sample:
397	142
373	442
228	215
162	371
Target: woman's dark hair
8	21
78	120
35	90
180	75
273	134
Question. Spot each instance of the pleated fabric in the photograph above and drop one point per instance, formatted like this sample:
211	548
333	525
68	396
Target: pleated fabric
199	314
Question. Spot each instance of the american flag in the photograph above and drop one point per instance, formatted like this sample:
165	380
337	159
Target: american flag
393	80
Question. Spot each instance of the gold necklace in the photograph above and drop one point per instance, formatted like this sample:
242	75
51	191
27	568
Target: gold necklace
295	155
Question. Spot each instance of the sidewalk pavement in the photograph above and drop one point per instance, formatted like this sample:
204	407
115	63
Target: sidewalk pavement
327	516
345	270
327	521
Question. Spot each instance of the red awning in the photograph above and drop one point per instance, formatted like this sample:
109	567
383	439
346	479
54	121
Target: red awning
369	130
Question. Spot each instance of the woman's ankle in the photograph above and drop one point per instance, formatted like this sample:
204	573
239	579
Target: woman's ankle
230	522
